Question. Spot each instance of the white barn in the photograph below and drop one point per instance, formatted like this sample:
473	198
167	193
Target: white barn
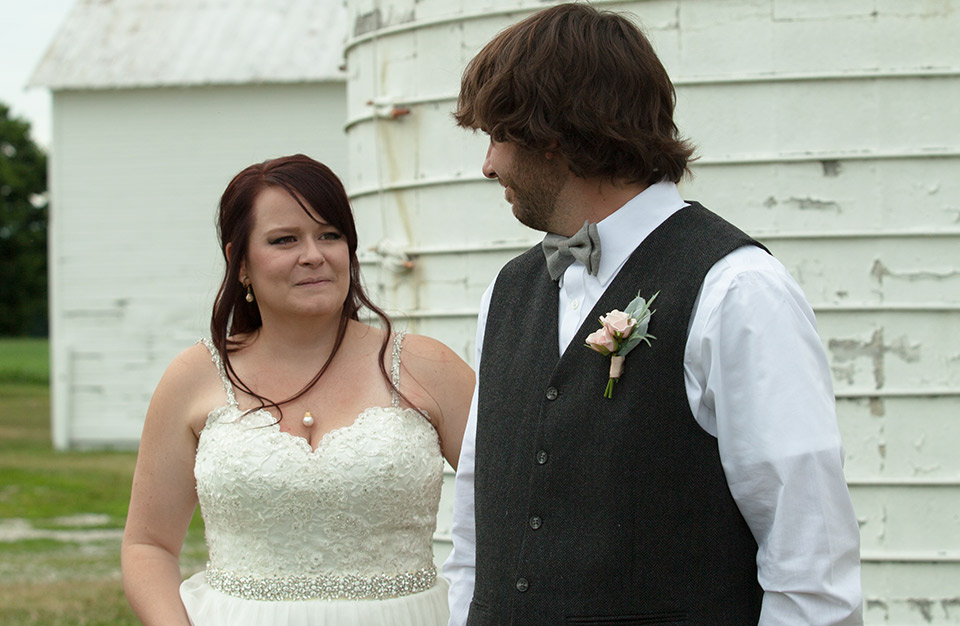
156	105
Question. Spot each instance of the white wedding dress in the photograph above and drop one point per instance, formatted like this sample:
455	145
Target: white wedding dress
340	535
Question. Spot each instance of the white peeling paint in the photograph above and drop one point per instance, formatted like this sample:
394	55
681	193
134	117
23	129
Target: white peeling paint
827	129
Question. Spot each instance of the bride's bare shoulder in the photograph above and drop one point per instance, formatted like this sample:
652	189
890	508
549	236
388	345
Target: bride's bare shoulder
433	363
190	387
192	363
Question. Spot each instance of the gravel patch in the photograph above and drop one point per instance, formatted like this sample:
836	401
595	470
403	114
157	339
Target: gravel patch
18	529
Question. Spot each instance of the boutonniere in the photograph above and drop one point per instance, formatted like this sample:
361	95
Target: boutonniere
620	332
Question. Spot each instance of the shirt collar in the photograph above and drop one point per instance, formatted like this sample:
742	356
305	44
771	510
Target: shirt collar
623	230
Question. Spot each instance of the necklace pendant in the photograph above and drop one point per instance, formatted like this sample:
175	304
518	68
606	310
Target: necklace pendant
308	419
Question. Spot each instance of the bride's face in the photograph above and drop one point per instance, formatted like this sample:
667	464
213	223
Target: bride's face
296	265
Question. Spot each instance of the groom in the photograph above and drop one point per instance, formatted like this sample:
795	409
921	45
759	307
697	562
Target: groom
708	489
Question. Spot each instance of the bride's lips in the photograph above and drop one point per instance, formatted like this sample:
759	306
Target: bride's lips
313	281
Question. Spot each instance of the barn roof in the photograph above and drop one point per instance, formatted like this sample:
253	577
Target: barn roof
106	44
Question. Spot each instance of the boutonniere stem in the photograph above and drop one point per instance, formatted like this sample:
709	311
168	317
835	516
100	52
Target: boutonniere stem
619	333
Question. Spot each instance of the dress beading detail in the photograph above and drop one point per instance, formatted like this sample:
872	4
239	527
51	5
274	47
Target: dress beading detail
395	367
277	588
218	361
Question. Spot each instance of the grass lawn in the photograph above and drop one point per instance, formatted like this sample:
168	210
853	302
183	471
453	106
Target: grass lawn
61	513
24	360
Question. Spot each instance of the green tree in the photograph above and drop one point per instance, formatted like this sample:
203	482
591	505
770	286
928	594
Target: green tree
23	229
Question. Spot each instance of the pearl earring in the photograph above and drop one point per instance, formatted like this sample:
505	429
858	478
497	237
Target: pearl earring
246	283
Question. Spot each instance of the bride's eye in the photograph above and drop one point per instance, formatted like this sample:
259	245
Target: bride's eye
282	240
331	235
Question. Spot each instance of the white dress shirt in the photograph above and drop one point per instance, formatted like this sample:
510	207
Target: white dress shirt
758	380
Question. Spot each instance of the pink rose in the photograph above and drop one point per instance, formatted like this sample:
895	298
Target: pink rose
602	341
618	323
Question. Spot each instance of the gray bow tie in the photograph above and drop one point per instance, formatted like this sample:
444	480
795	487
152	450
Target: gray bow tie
561	251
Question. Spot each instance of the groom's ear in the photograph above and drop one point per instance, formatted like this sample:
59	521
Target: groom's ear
551	151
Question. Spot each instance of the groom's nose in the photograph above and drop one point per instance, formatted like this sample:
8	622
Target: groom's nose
487	167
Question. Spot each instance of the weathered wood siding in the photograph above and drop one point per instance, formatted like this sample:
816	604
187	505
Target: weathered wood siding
827	129
134	263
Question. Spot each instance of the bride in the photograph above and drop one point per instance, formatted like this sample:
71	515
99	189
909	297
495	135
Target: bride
311	440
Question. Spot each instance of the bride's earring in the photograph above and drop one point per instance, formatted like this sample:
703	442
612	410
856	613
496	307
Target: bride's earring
246	283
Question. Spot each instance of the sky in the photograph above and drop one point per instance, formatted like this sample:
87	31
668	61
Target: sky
26	30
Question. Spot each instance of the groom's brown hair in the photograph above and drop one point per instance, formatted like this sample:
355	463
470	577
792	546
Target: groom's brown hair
585	80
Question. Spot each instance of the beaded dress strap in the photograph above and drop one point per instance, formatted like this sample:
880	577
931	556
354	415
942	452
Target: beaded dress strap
395	368
215	357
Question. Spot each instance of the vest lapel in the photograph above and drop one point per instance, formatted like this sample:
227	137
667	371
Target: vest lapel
540	310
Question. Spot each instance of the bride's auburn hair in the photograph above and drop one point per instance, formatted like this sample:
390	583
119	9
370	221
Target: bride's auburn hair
318	191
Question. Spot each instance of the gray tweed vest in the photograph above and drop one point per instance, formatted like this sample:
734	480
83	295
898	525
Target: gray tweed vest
605	511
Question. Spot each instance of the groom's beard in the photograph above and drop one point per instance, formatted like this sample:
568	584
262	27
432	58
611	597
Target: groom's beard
535	185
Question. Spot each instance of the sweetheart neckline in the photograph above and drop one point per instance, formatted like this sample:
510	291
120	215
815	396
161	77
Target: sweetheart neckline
303	440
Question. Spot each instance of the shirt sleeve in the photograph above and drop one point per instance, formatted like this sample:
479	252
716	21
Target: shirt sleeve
758	379
460	567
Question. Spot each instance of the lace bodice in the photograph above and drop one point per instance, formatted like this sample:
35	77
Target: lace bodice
362	505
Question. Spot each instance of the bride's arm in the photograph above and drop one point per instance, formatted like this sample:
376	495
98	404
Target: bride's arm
163	497
444	383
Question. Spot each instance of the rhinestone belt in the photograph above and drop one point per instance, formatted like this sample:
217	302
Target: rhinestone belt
321	587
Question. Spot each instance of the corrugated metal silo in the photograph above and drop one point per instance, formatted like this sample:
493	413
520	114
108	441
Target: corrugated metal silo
828	130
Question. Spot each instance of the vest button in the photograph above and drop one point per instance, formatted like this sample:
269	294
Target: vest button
522	585
552	393
542	457
535	522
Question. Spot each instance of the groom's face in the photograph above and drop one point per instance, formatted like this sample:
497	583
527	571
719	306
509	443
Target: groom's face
532	182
